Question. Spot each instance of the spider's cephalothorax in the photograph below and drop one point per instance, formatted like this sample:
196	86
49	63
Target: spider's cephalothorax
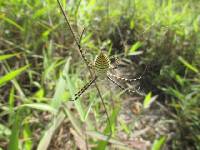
101	65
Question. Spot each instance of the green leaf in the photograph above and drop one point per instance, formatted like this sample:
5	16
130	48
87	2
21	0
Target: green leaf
175	93
11	22
60	87
102	144
196	25
124	126
134	47
6	56
11	98
180	80
132	24
11	75
14	137
27	136
187	64
48	134
11	102
40	106
147	100
158	144
39	93
39	12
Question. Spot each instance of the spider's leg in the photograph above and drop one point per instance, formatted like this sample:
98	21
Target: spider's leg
123	88
114	65
77	95
124	79
120	86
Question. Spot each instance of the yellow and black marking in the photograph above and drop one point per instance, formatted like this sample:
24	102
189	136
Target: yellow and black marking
101	65
77	95
101	68
124	79
120	86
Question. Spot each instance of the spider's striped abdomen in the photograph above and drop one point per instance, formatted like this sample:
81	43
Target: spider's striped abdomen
101	64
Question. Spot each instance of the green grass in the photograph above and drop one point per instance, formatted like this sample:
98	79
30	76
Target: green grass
41	69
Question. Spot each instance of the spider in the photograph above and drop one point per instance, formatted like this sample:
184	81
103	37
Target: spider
101	67
100	70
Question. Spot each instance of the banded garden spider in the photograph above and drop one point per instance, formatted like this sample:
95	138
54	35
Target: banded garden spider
101	67
100	70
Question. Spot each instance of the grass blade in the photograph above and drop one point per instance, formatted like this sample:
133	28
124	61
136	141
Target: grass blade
134	47
45	140
14	137
11	75
149	100
158	144
11	103
188	65
10	21
100	136
40	106
7	56
28	143
103	144
56	104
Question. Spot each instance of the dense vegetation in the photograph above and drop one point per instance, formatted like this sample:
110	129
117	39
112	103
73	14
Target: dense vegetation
40	68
